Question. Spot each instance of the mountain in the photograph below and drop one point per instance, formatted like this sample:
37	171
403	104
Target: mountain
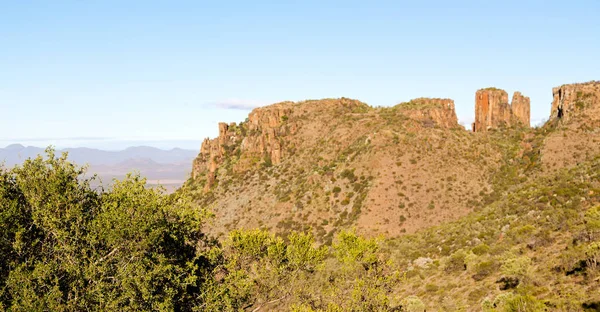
501	218
167	167
338	163
16	153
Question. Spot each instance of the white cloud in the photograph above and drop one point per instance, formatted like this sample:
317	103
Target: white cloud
239	104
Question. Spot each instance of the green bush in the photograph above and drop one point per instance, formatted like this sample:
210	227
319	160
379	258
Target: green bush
592	221
352	249
481	249
68	247
516	266
512	302
412	304
455	262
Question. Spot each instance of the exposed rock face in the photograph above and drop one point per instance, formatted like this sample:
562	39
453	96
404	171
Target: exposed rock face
212	153
267	124
431	111
492	109
521	108
267	131
259	137
572	98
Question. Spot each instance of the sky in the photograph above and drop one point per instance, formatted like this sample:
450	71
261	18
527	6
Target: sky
110	74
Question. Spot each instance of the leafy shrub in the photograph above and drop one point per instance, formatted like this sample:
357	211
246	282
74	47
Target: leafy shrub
512	302
351	249
592	221
412	304
484	269
516	266
455	262
481	249
592	254
68	247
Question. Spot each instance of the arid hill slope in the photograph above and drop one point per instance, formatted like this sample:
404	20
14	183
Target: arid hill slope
335	163
576	116
338	163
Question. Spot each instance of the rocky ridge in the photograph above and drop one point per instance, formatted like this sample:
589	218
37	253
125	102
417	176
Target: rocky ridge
569	99
261	137
432	112
575	117
492	109
333	163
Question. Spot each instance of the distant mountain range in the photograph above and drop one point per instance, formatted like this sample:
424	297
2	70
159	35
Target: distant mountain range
17	153
167	167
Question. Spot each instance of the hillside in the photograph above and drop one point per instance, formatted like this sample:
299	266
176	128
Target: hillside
577	138
339	163
504	218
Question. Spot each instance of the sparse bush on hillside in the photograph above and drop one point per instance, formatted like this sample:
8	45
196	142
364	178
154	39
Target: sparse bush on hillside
592	254
592	222
412	304
352	249
455	262
516	266
514	302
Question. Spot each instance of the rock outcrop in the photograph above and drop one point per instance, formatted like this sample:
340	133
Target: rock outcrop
492	109
431	111
569	99
258	138
267	125
212	153
521	108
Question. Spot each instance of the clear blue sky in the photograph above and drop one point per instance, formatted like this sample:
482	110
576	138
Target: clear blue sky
114	73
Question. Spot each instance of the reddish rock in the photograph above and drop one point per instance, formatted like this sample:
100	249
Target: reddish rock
268	123
432	111
521	108
262	139
492	109
212	153
572	98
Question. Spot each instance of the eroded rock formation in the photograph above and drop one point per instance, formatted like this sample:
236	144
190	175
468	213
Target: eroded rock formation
569	99
431	111
521	108
492	109
258	138
267	125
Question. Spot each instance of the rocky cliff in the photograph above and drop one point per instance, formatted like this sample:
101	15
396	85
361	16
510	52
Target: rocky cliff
333	163
431	111
260	139
520	105
336	163
570	99
575	119
492	109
